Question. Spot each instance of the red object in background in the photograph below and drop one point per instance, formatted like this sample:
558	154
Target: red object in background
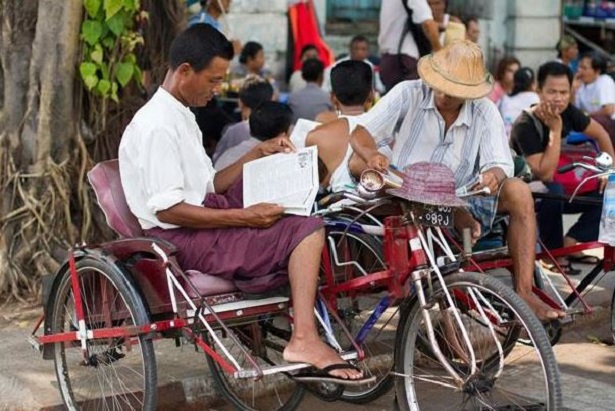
304	26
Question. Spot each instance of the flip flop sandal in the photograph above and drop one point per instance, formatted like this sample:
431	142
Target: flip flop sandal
323	375
584	259
566	267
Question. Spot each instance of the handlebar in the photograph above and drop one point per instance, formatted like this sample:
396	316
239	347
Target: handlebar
602	166
567	167
602	163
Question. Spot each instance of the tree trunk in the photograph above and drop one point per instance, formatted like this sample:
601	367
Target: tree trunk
41	159
45	205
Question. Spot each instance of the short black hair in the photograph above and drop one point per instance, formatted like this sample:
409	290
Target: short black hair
523	80
359	38
270	119
599	63
198	45
250	50
312	70
470	19
554	69
255	91
352	82
307	48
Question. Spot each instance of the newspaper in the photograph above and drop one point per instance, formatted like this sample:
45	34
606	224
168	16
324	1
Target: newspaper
301	130
290	180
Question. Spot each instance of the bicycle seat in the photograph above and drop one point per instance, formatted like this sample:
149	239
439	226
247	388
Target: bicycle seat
105	180
208	285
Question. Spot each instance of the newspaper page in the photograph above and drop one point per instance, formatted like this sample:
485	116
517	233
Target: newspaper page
290	180
301	130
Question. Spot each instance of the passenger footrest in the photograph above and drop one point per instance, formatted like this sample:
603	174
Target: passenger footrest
253	373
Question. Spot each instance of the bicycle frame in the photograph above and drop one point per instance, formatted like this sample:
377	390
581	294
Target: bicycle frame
409	256
410	262
187	314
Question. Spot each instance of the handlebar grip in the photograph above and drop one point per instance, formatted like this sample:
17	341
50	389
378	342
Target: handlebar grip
330	199
566	168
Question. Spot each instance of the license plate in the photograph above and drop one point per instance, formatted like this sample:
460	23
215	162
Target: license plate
435	216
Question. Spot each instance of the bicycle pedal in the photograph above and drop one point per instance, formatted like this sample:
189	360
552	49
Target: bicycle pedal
568	319
327	392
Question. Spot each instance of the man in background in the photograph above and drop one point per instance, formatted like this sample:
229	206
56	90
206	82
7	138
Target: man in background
312	99
398	42
472	29
359	51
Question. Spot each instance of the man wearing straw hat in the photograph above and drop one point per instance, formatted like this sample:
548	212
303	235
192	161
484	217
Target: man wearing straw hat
444	118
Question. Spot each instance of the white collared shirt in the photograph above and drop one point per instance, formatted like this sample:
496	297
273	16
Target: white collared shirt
162	160
407	118
393	19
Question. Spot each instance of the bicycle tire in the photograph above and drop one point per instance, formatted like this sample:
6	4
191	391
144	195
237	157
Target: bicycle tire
132	371
276	392
355	309
423	384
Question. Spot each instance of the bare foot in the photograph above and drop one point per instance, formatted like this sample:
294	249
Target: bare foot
542	310
319	354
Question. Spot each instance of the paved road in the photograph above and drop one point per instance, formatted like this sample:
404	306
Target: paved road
28	383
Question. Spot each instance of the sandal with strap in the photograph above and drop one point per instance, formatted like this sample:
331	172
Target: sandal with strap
584	259
567	268
323	375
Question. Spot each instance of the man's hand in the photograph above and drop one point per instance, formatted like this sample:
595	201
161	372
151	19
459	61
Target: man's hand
263	215
490	180
463	219
547	113
275	145
379	162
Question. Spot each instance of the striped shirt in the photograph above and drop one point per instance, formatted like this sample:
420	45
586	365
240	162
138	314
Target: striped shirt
407	119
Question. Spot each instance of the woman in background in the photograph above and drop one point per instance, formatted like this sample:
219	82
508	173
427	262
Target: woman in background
523	96
504	78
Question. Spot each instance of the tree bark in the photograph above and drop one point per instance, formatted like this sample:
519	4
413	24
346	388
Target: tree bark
40	49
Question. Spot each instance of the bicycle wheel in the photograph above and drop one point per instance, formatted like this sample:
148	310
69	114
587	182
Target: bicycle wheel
264	340
120	373
352	256
508	373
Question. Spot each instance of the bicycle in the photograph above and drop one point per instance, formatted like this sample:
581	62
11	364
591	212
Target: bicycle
448	347
110	302
573	303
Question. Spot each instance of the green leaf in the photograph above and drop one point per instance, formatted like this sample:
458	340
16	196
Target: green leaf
92	7
103	87
108	42
112	7
114	96
87	69
97	54
116	23
139	76
91	31
131	58
90	82
124	73
130	5
104	69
